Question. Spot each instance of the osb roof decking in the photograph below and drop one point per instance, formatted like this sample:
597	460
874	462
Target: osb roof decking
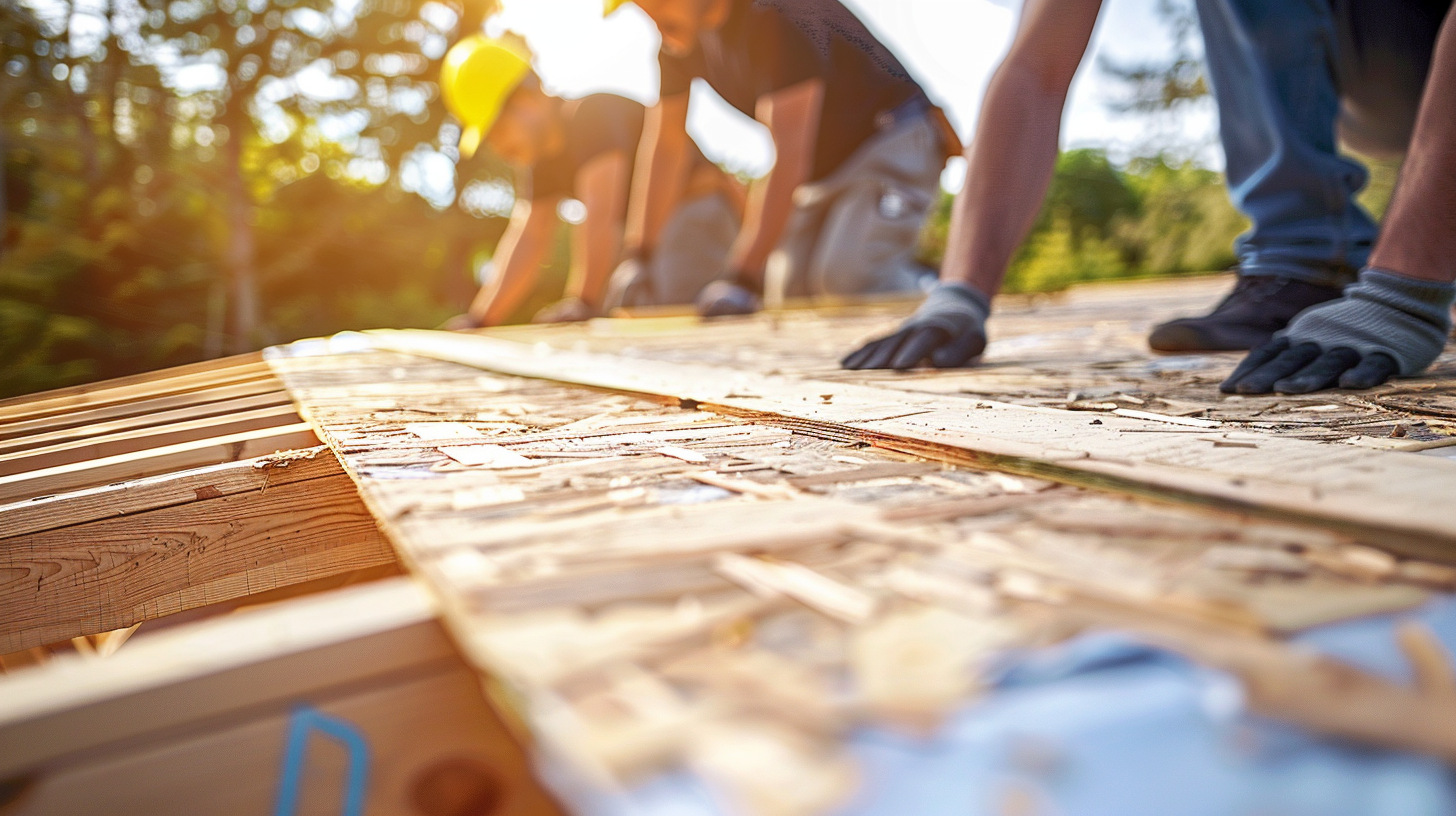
671	543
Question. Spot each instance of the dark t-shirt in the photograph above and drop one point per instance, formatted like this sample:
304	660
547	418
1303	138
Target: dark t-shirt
769	45
595	124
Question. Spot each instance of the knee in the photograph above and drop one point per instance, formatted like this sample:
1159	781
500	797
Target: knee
869	246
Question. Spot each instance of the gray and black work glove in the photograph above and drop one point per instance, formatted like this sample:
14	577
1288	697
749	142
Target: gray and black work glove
949	330
566	310
723	298
629	287
1386	324
461	322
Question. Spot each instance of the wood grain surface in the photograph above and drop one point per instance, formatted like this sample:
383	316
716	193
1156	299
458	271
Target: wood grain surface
663	537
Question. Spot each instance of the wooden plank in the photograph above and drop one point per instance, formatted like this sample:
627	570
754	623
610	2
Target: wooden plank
145	420
202	367
129	390
124	442
142	411
1389	494
165	490
197	718
597	574
211	667
110	574
1084	349
182	456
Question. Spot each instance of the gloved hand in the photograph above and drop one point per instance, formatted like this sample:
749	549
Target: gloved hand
461	322
949	329
1385	324
566	310
726	297
629	287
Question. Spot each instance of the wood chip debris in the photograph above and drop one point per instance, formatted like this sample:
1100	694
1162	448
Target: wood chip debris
1171	420
765	577
438	431
682	453
487	456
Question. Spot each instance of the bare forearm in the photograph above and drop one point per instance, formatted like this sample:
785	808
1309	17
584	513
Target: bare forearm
1011	165
1418	239
594	251
662	173
518	260
1014	153
792	117
597	241
767	208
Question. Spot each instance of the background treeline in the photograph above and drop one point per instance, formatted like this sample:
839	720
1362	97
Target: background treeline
1153	217
1101	222
183	179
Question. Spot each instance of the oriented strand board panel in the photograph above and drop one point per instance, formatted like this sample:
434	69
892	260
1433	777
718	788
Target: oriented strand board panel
691	556
1084	349
1386	494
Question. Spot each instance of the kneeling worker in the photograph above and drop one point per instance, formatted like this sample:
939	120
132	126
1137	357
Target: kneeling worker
582	149
1284	74
859	147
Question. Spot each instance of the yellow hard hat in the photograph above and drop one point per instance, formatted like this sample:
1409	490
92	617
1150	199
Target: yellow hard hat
609	6
479	75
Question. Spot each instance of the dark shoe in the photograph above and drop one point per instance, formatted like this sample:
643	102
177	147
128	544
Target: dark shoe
1258	307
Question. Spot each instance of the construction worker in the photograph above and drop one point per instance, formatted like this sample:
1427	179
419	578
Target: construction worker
582	149
1284	74
859	148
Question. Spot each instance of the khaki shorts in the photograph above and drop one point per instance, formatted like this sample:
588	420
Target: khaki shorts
854	232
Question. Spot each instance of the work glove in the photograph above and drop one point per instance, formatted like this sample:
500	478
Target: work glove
566	310
461	322
1385	324
949	330
722	298
630	286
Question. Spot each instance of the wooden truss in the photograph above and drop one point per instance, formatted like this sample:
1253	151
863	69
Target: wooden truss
181	496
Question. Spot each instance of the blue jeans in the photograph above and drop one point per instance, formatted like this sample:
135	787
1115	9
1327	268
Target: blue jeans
1288	76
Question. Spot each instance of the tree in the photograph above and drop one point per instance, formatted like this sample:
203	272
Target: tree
281	85
161	167
1159	86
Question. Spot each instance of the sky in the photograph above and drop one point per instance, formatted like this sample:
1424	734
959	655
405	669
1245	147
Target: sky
951	46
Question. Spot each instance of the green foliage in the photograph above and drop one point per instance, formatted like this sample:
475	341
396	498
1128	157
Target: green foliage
166	163
1381	186
1101	222
1184	223
1157	87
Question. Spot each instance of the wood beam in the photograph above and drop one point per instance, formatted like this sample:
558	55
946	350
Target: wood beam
145	420
197	718
143	411
166	490
141	439
72	566
129	389
201	367
198	453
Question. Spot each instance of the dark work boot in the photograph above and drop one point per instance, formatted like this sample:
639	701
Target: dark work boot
1259	306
